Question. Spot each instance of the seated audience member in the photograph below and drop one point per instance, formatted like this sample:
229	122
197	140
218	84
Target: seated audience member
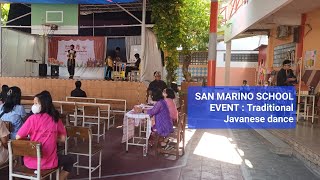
157	83
12	110
4	91
174	87
78	92
135	67
4	154
169	96
44	126
163	124
44	93
245	87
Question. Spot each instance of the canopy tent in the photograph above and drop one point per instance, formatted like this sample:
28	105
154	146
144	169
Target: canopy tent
95	6
68	1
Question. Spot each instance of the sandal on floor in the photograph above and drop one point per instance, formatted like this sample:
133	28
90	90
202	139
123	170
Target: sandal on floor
165	143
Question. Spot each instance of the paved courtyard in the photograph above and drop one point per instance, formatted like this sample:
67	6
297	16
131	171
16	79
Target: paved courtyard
210	155
232	155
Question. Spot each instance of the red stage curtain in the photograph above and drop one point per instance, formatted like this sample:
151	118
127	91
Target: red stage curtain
99	45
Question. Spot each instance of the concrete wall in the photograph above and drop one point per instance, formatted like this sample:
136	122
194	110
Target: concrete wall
274	42
133	92
251	13
311	39
239	70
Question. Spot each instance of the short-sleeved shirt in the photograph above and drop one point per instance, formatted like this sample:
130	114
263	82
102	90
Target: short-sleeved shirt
4	154
43	129
157	85
15	117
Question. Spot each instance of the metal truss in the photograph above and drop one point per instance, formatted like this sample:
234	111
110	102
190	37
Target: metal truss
86	9
231	8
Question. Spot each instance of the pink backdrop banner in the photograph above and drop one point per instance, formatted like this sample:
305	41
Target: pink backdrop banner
90	50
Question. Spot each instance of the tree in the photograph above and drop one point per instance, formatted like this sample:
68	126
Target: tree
168	27
196	22
196	16
181	23
5	12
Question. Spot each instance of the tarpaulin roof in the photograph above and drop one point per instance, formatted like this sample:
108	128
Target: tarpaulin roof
68	1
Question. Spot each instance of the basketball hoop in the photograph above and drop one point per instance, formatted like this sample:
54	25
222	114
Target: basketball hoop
48	29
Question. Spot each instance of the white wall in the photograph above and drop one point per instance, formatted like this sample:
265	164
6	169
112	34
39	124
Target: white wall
243	45
251	13
16	48
249	43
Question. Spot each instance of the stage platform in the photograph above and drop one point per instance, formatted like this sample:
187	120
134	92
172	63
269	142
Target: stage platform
60	87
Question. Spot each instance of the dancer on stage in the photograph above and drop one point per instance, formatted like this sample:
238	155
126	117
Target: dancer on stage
71	61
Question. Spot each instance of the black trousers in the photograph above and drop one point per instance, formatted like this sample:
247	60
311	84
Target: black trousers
66	161
71	70
108	72
129	69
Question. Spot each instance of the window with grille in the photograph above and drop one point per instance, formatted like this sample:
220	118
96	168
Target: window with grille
197	58
242	57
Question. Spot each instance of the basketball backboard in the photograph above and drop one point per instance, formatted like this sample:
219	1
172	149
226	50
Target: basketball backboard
64	16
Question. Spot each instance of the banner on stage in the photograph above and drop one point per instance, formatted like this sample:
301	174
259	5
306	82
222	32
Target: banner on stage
85	56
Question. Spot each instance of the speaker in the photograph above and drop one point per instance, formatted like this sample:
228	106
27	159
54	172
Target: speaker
54	70
42	69
296	34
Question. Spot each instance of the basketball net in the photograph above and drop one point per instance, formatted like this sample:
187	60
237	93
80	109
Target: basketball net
47	32
47	29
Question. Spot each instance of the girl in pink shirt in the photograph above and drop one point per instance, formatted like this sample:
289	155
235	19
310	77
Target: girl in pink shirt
169	97
44	126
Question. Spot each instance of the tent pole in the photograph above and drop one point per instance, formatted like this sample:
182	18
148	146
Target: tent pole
93	23
227	64
143	39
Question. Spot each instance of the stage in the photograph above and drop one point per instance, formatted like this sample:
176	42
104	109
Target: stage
60	87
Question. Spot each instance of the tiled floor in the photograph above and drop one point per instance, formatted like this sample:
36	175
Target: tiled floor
306	134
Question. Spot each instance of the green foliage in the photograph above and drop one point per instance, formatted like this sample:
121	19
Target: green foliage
181	23
195	24
5	12
168	27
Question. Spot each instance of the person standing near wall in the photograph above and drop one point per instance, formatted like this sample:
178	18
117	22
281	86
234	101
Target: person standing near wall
71	61
109	66
285	76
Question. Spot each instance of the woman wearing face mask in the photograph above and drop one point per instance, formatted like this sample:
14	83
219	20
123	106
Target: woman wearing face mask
44	126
